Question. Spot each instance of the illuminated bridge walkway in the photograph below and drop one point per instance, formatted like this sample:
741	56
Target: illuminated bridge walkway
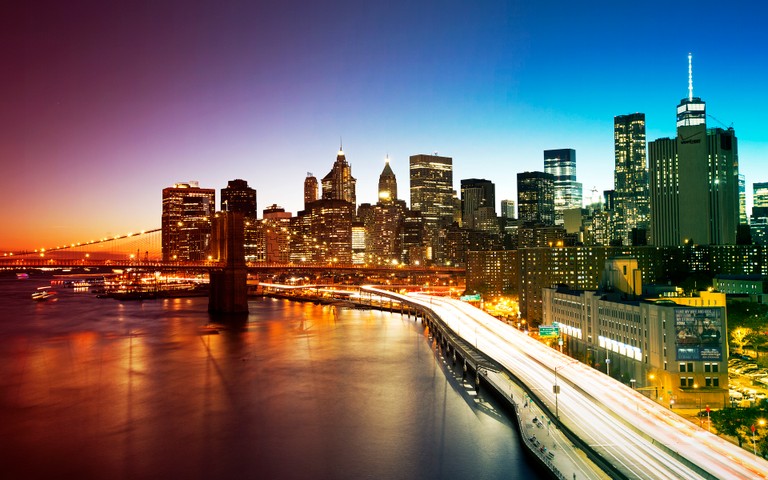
624	432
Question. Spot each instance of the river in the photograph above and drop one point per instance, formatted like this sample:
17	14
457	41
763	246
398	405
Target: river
98	388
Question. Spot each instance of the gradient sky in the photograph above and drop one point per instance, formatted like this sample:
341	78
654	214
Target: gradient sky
106	103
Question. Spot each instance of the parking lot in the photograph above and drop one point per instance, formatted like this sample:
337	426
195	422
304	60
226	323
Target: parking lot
748	382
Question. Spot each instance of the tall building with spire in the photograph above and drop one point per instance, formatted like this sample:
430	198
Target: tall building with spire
630	177
339	184
310	189
694	180
387	184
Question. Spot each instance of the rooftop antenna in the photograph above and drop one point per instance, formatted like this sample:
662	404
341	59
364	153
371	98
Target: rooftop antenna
341	144
690	78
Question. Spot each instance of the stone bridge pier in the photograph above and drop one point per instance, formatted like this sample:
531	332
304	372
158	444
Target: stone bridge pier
229	284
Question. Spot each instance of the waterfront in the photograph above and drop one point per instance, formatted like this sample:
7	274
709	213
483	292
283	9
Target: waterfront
99	388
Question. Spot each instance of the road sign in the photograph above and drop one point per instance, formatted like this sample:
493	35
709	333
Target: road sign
548	331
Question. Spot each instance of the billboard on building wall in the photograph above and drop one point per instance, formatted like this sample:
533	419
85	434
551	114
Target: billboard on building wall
699	334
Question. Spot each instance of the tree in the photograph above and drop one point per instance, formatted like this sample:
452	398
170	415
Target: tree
729	421
739	337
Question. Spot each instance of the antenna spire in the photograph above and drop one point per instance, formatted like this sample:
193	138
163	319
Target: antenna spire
341	144
690	78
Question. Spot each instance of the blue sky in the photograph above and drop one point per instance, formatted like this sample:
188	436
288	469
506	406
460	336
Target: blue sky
109	104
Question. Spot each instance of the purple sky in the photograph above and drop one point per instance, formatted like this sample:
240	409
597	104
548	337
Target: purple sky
105	104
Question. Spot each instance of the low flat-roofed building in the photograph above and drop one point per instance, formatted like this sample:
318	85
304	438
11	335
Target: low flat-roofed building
671	348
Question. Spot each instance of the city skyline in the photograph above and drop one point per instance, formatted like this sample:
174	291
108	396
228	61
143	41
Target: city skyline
138	100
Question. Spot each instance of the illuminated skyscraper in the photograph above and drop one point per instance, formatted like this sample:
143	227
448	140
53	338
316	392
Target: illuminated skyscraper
536	198
743	200
310	189
186	221
694	180
561	164
432	195
631	209
387	184
339	184
239	197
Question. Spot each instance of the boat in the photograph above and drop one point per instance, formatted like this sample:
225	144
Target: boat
22	276
43	293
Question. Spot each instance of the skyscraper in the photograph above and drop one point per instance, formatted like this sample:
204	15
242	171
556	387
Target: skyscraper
186	221
387	184
536	198
743	200
339	184
432	195
508	209
694	180
239	197
759	201
561	164
310	189
631	209
478	204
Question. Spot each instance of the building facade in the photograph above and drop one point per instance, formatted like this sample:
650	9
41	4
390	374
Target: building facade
561	164
632	203
536	198
674	349
186	221
432	195
339	184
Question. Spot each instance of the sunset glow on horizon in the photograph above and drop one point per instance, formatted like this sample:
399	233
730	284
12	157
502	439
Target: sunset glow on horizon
106	105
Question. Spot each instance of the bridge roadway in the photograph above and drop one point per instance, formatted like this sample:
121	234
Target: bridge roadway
637	436
17	262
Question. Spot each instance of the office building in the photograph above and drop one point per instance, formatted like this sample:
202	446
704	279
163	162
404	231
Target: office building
432	195
339	184
694	181
239	197
631	197
671	348
478	205
310	189
536	198
186	221
561	164
508	209
387	184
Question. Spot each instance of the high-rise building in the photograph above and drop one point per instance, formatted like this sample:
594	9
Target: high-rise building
322	233
186	221
561	164
507	209
536	198
432	195
310	189
759	201
387	184
478	205
631	209
239	197
743	200
694	180
339	183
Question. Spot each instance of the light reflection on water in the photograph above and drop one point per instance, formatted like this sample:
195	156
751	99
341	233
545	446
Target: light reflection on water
98	388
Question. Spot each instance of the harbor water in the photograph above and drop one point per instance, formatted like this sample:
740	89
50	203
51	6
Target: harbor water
99	388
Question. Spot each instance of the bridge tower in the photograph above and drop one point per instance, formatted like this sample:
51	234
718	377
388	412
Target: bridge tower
229	284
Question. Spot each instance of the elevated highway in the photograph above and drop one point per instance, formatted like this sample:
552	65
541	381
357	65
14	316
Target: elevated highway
636	436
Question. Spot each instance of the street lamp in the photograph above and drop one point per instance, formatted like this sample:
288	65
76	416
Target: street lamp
760	422
608	366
